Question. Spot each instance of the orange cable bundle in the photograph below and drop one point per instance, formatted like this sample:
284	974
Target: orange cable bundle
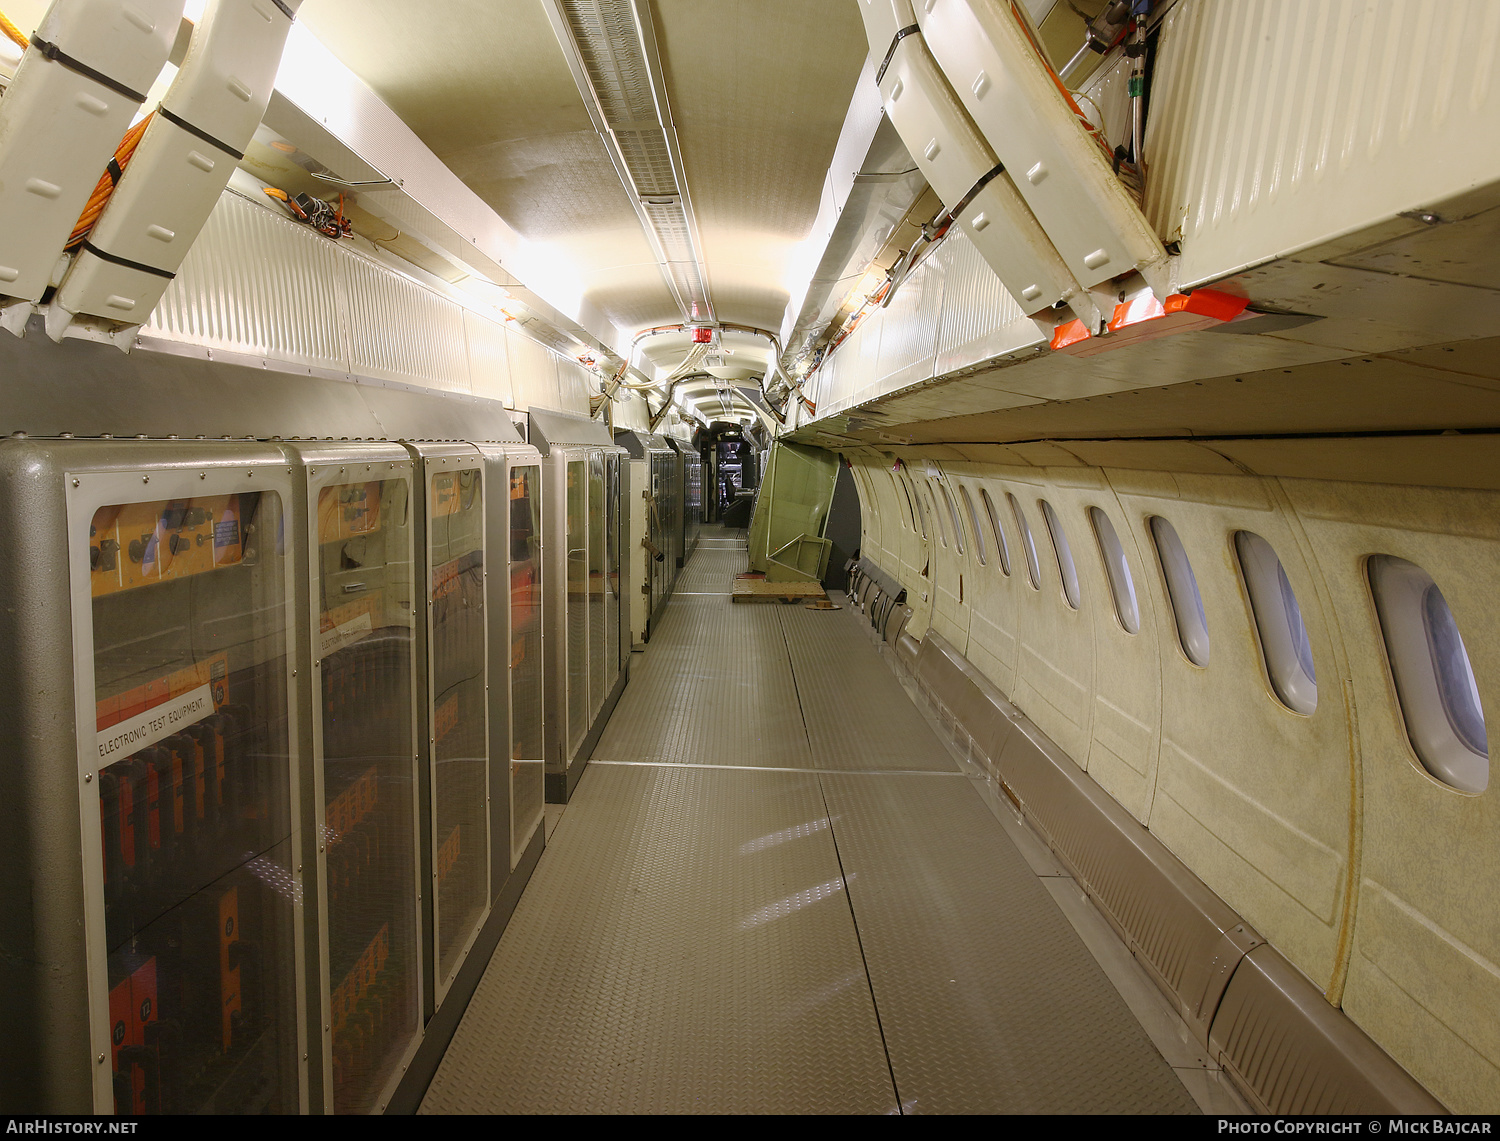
106	184
13	33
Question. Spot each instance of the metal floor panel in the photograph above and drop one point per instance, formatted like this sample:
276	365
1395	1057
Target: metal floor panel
683	947
686	702
989	1001
688	942
858	716
712	568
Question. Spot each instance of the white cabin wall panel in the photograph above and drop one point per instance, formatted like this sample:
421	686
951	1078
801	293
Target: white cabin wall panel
875	514
920	593
819	389
902	541
574	384
261	285
941	582
908	335
992	596
980	319
1054	653
914	549
533	372
1125	727
1280	125
857	371
489	358
951	564
1424	974
1254	798
403	331
631	412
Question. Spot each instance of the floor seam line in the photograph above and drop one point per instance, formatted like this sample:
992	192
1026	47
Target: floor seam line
843	877
789	769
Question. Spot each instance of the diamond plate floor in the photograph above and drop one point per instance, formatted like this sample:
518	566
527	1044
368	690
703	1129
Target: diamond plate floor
774	891
989	1000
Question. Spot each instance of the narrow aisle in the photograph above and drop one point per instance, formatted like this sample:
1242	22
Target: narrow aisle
775	891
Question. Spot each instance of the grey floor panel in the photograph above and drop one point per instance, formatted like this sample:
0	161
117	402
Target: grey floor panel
712	567
858	716
683	946
989	1000
688	703
688	942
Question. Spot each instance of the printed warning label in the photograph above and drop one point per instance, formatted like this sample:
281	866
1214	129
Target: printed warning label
172	716
344	633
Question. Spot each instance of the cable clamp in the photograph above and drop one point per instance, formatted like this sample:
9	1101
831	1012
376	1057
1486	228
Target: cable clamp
114	259
197	132
57	55
974	190
891	51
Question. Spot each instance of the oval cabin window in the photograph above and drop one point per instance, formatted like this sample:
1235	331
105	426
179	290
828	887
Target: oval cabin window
974	523
997	531
901	487
1117	570
1064	553
1033	568
958	526
916	497
1182	591
1434	681
1283	635
935	515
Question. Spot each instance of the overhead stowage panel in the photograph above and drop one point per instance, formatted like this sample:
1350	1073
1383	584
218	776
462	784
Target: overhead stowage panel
961	167
182	164
1058	169
86	73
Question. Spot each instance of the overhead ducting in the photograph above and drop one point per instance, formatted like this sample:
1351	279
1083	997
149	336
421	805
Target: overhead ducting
611	47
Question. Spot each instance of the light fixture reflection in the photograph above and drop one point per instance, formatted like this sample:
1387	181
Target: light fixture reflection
795	902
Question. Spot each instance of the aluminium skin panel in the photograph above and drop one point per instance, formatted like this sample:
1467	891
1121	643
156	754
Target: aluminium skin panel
181	570
577	585
362	621
454	726
517	707
617	634
563	581
600	676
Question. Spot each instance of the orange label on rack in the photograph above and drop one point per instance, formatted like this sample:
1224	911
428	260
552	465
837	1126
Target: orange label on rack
352	805
348	510
448	854
137	544
212	672
446	717
348	994
445	497
341	626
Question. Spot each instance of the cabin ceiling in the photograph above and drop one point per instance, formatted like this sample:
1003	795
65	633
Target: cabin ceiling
758	91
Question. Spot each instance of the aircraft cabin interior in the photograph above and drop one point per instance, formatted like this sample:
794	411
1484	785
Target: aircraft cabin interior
749	556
